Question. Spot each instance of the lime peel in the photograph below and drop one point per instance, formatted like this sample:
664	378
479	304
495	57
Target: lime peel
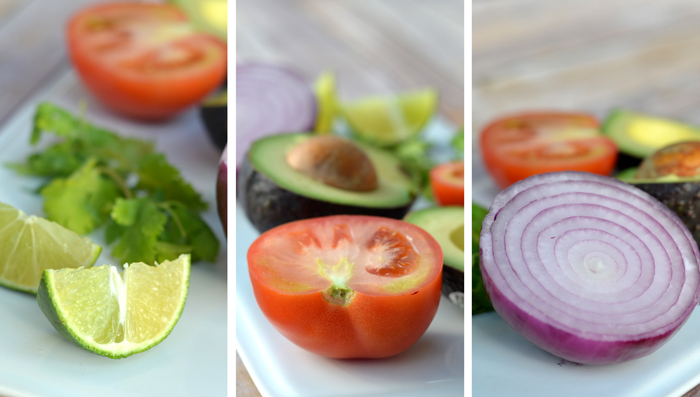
73	301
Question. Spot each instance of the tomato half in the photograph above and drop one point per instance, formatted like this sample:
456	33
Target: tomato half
447	183
144	60
347	286
520	146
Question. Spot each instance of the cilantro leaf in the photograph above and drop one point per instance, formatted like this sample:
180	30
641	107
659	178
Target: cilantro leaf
186	228
413	154
157	176
458	141
59	160
51	118
480	299
142	221
81	201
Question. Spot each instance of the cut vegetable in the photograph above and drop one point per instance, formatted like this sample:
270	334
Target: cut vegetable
446	225
29	245
270	100
639	135
386	121
672	175
447	183
348	286
116	315
587	267
519	146
272	192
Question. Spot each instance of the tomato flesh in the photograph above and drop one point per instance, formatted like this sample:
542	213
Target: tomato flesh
144	60
348	286
517	147
447	183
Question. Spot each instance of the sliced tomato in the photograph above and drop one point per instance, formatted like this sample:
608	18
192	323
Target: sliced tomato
447	183
144	60
520	146
348	286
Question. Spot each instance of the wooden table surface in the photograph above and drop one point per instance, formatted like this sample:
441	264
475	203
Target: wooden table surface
373	46
32	47
589	56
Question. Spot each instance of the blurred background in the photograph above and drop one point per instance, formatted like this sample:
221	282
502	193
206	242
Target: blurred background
591	56
374	47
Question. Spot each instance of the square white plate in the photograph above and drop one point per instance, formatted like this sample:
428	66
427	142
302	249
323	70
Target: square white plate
35	360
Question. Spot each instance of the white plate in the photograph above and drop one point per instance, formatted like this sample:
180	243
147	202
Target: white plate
36	361
506	364
434	366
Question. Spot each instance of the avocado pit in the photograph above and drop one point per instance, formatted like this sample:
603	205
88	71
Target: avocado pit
335	162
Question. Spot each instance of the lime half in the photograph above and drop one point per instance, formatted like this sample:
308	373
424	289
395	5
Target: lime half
386	121
112	314
29	245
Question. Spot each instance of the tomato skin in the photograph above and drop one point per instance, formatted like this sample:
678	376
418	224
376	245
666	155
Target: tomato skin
507	163
147	96
447	183
370	326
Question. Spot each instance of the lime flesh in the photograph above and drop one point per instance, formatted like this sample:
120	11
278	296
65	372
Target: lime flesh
386	121
29	245
116	315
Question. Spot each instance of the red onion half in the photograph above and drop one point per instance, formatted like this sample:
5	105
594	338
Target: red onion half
588	268
269	100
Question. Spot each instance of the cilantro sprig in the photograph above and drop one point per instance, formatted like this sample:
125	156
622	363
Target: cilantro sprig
97	178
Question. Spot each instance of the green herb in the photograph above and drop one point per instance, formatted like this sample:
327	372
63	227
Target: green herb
98	178
480	299
413	154
458	142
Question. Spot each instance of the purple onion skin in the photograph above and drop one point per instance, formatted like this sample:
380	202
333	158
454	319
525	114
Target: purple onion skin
241	68
566	345
573	347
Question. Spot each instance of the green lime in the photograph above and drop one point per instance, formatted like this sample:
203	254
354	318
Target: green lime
29	245
324	88
112	314
386	121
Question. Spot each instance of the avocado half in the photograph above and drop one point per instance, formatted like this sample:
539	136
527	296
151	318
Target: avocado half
273	193
639	135
446	225
213	113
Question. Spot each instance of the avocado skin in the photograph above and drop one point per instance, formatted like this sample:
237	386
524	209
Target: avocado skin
268	205
683	198
215	121
452	281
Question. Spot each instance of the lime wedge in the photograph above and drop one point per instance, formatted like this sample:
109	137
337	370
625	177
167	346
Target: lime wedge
29	245
324	88
386	121
116	315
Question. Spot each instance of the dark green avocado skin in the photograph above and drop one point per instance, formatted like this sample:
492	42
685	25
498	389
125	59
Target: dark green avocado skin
683	198
452	281
267	205
215	121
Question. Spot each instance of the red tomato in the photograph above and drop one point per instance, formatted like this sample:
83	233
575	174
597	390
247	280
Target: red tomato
520	146
348	286
447	183
144	60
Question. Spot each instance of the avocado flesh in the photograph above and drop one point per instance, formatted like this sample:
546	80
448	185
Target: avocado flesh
395	188
446	224
273	193
639	135
441	222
